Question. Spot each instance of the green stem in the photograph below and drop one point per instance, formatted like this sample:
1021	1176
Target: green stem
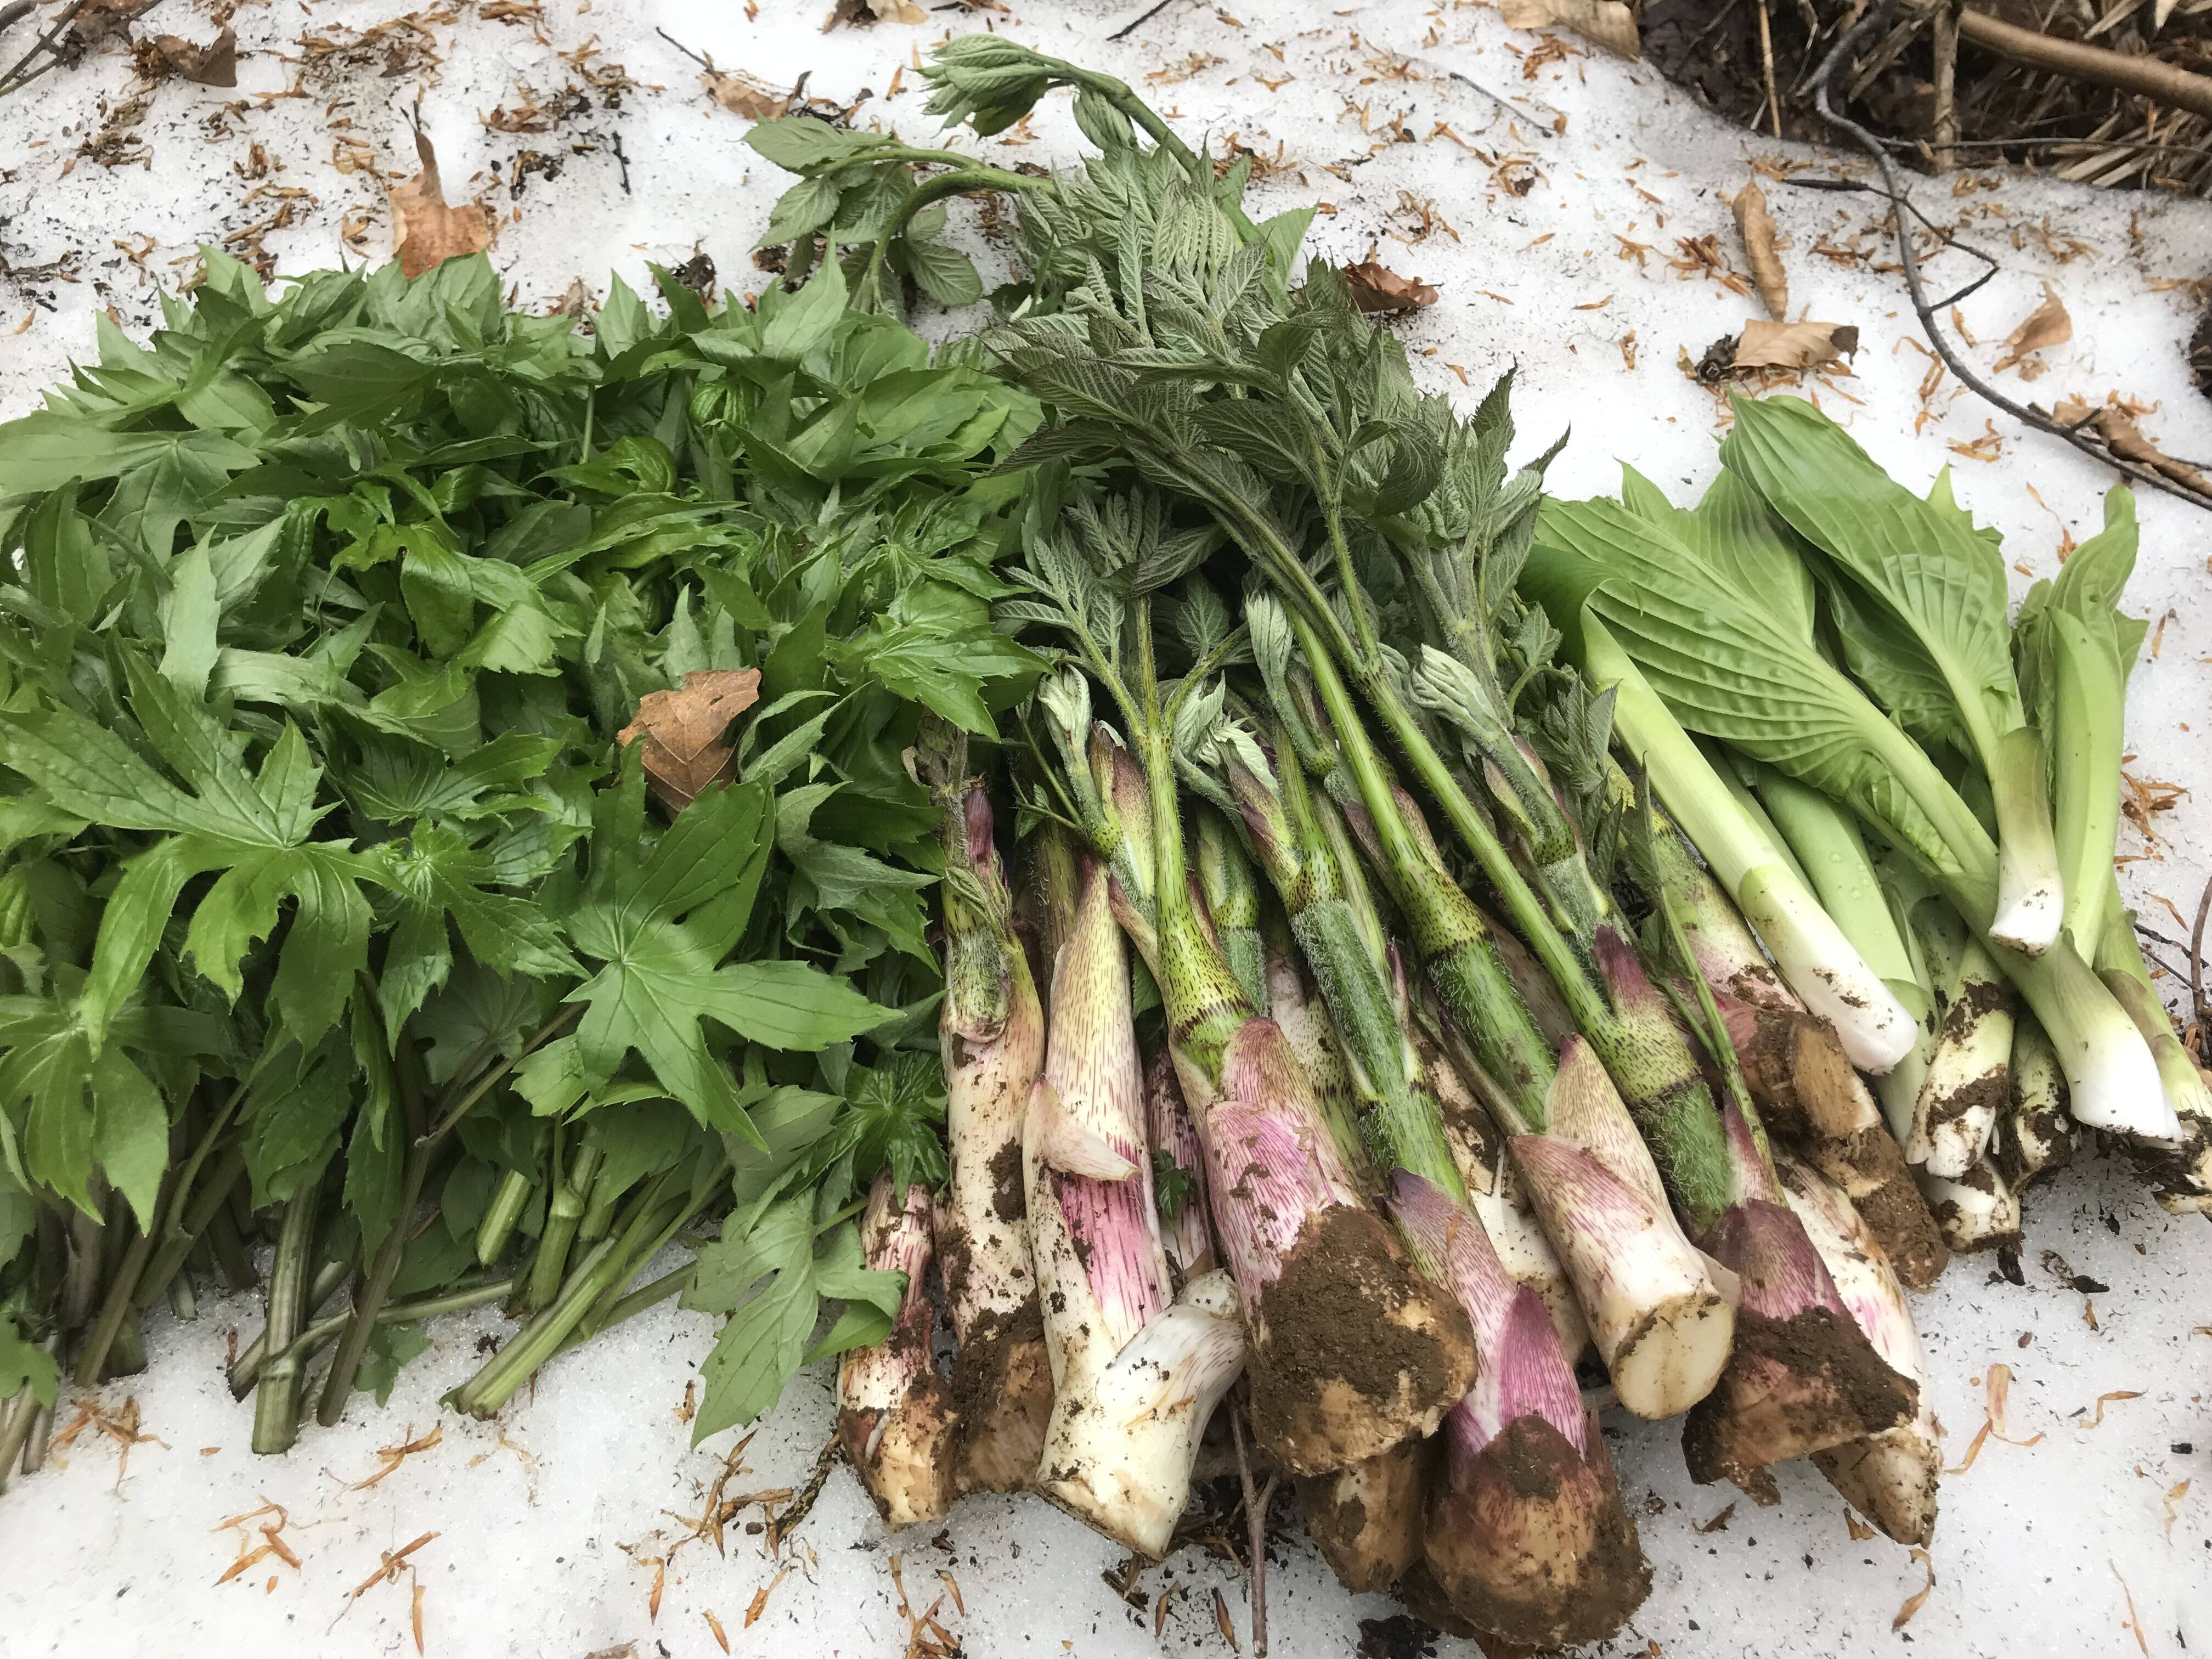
376	1285
608	1264
191	1222
669	1284
501	1214
319	1335
276	1395
329	1279
1453	940
564	1214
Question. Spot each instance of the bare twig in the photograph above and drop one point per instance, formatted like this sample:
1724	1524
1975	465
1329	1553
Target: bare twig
1255	1532
20	74
1823	84
1767	67
1943	36
782	1526
2147	77
1139	21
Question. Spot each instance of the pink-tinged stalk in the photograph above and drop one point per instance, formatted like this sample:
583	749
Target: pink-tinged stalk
1119	1448
1802	1376
1526	1536
1186	1238
1351	1351
992	1030
1499	1193
1810	1095
896	1418
1661	1322
1891	1477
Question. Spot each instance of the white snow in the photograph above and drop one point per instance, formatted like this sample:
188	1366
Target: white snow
544	1548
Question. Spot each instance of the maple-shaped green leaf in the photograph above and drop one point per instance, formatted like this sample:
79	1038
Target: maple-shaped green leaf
250	826
660	924
899	1112
772	1281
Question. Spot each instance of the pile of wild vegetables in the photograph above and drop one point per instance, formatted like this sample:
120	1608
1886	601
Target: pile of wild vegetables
1429	964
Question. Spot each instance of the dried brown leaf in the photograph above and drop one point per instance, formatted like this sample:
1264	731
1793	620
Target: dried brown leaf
1918	1599
684	730
2133	1620
2115	422
1719	1523
215	64
1794	345
721	1640
1608	23
425	232
741	95
1377	289
2174	1494
1222	1622
1756	226
1859	1530
2047	325
2103	1400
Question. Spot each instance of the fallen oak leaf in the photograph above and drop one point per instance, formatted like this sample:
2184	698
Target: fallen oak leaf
1608	23
1793	345
212	65
682	731
1380	291
2047	325
1756	226
425	231
2118	428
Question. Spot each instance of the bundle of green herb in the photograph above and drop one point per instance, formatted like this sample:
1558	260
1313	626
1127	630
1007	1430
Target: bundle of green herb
354	635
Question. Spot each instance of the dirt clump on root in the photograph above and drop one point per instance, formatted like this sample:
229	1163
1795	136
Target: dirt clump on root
1010	1201
1532	1543
1792	1387
1002	1389
1366	1521
908	1462
1869	1166
1352	1349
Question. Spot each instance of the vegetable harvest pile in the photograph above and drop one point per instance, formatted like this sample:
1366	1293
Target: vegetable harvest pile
1136	831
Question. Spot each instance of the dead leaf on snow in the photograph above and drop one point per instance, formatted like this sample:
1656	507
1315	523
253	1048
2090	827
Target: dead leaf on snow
1794	345
741	95
1756	226
682	731
2118	428
860	13
425	232
1377	289
1859	1530
1918	1599
1608	23
2047	325
212	65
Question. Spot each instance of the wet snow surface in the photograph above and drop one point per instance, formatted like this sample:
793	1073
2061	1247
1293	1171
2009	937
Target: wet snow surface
1543	190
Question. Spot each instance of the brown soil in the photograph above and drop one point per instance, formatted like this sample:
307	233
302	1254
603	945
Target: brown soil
1533	1545
1002	1389
1009	1201
1792	1387
1367	1522
1353	1351
1869	1166
910	1475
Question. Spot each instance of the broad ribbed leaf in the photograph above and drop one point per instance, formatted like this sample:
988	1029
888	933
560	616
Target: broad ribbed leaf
1943	584
1724	669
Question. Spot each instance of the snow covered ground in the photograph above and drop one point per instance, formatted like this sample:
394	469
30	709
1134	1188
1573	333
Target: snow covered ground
1548	192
